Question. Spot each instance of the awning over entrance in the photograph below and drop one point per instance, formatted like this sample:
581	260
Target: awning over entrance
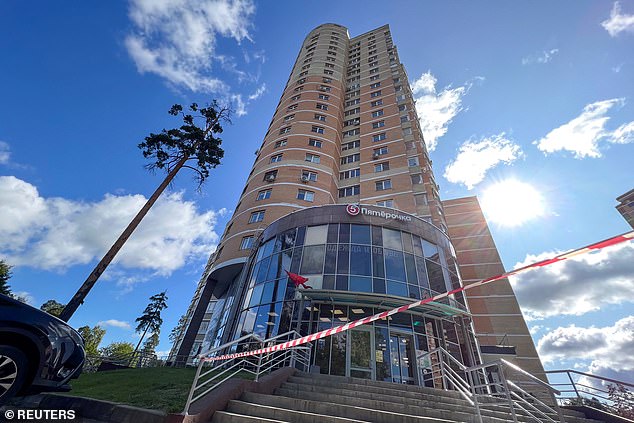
434	309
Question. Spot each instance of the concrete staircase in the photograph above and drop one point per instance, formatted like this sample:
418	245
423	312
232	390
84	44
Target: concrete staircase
310	398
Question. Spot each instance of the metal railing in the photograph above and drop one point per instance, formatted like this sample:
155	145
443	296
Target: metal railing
579	388
211	374
499	386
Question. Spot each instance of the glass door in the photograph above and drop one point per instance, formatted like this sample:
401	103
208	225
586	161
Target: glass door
360	354
402	358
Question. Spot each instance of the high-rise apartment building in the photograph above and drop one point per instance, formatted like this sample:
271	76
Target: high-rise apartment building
342	192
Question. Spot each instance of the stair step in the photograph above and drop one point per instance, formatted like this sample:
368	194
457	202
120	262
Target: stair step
227	417
356	412
318	378
295	416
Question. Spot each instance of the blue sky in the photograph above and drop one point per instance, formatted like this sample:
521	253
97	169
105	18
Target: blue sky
540	93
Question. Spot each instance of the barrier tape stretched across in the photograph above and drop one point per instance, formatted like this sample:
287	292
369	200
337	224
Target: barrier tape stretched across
328	332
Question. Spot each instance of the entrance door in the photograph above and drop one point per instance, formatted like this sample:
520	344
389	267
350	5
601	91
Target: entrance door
402	358
361	354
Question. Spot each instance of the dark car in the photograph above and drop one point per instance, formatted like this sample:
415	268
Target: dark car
38	352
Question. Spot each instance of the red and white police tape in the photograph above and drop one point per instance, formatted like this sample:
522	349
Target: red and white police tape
325	333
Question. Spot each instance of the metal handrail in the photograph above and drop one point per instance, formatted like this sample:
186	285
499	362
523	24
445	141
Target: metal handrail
587	395
254	364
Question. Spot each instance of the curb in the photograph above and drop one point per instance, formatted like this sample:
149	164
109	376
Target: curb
89	408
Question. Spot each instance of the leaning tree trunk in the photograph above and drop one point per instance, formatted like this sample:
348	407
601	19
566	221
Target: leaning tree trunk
101	267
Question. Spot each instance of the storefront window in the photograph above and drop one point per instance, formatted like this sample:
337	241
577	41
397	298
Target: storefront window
394	265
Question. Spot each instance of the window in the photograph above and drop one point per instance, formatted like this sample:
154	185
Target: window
375	85
377	113
269	177
326	80
303	73
264	195
373	64
350	122
417	179
325	88
380	151
313	158
317	129
374	77
256	216
285	130
300	88
375	94
352	132
319	117
402	107
328	72
314	143
412	161
379	137
350	145
281	143
398	88
404	119
292	107
376	103
375	70
420	199
302	194
324	96
322	106
400	97
352	173
353	102
289	117
276	158
351	158
296	97
385	203
378	124
305	67
382	167
329	65
246	243
383	185
354	111
407	131
309	176
348	191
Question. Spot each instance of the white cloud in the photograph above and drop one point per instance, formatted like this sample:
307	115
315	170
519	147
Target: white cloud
578	285
541	58
583	134
25	297
115	324
5	152
258	93
56	233
436	110
609	348
476	158
177	39
618	22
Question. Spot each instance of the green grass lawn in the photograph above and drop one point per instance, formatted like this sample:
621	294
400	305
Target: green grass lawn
158	388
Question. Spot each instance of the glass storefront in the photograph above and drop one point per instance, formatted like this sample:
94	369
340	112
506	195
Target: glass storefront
356	270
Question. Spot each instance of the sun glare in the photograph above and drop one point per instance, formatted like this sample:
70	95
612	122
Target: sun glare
512	203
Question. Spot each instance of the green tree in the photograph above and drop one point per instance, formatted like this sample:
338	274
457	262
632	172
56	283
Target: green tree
92	338
622	399
52	307
150	344
195	142
178	329
151	319
5	275
117	350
